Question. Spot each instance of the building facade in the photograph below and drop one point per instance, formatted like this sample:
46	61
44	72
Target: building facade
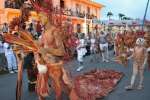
81	12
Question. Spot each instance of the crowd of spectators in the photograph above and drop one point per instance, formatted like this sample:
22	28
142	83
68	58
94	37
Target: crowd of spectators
8	60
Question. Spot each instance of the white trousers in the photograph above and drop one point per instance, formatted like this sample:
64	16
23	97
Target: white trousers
93	48
104	49
80	53
12	61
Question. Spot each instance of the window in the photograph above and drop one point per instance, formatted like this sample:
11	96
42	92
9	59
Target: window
62	4
88	10
78	28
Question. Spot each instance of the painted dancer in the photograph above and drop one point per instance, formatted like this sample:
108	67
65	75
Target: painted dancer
139	60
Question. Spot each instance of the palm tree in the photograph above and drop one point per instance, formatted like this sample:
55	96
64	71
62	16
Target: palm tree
126	18
121	16
109	15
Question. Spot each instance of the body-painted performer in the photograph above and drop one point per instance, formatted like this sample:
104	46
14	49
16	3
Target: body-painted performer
147	40
120	48
139	60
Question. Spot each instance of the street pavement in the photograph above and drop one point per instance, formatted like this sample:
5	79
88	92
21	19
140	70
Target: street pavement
8	81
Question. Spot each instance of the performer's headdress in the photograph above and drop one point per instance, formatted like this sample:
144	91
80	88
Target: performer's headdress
140	41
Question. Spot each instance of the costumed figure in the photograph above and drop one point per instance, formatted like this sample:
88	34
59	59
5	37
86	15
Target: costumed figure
55	44
147	40
139	60
129	39
121	49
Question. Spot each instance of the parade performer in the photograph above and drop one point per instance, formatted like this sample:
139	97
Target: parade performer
119	42
81	51
121	48
129	39
147	40
103	44
48	51
139	60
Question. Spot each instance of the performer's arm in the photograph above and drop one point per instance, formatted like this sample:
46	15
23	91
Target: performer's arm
133	50
146	57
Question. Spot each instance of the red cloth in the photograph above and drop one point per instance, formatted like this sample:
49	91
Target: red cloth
42	87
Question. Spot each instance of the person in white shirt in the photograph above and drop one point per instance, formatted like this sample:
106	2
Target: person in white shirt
11	58
81	51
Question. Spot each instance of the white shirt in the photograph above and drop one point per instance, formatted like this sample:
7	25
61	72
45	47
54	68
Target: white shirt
1	47
93	41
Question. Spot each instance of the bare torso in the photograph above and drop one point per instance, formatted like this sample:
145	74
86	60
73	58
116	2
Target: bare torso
139	54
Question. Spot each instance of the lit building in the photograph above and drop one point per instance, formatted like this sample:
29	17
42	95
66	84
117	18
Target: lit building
81	12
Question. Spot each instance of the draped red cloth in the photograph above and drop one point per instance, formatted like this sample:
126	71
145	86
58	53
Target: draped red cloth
42	87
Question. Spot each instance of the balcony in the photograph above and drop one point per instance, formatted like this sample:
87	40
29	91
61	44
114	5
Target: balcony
64	11
69	12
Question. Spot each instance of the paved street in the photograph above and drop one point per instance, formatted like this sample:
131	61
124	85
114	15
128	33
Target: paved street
8	82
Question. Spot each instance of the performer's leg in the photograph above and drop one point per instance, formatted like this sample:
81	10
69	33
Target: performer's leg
134	74
58	89
80	60
148	60
41	98
141	75
102	51
106	52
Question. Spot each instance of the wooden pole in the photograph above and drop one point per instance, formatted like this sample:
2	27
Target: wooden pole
145	15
